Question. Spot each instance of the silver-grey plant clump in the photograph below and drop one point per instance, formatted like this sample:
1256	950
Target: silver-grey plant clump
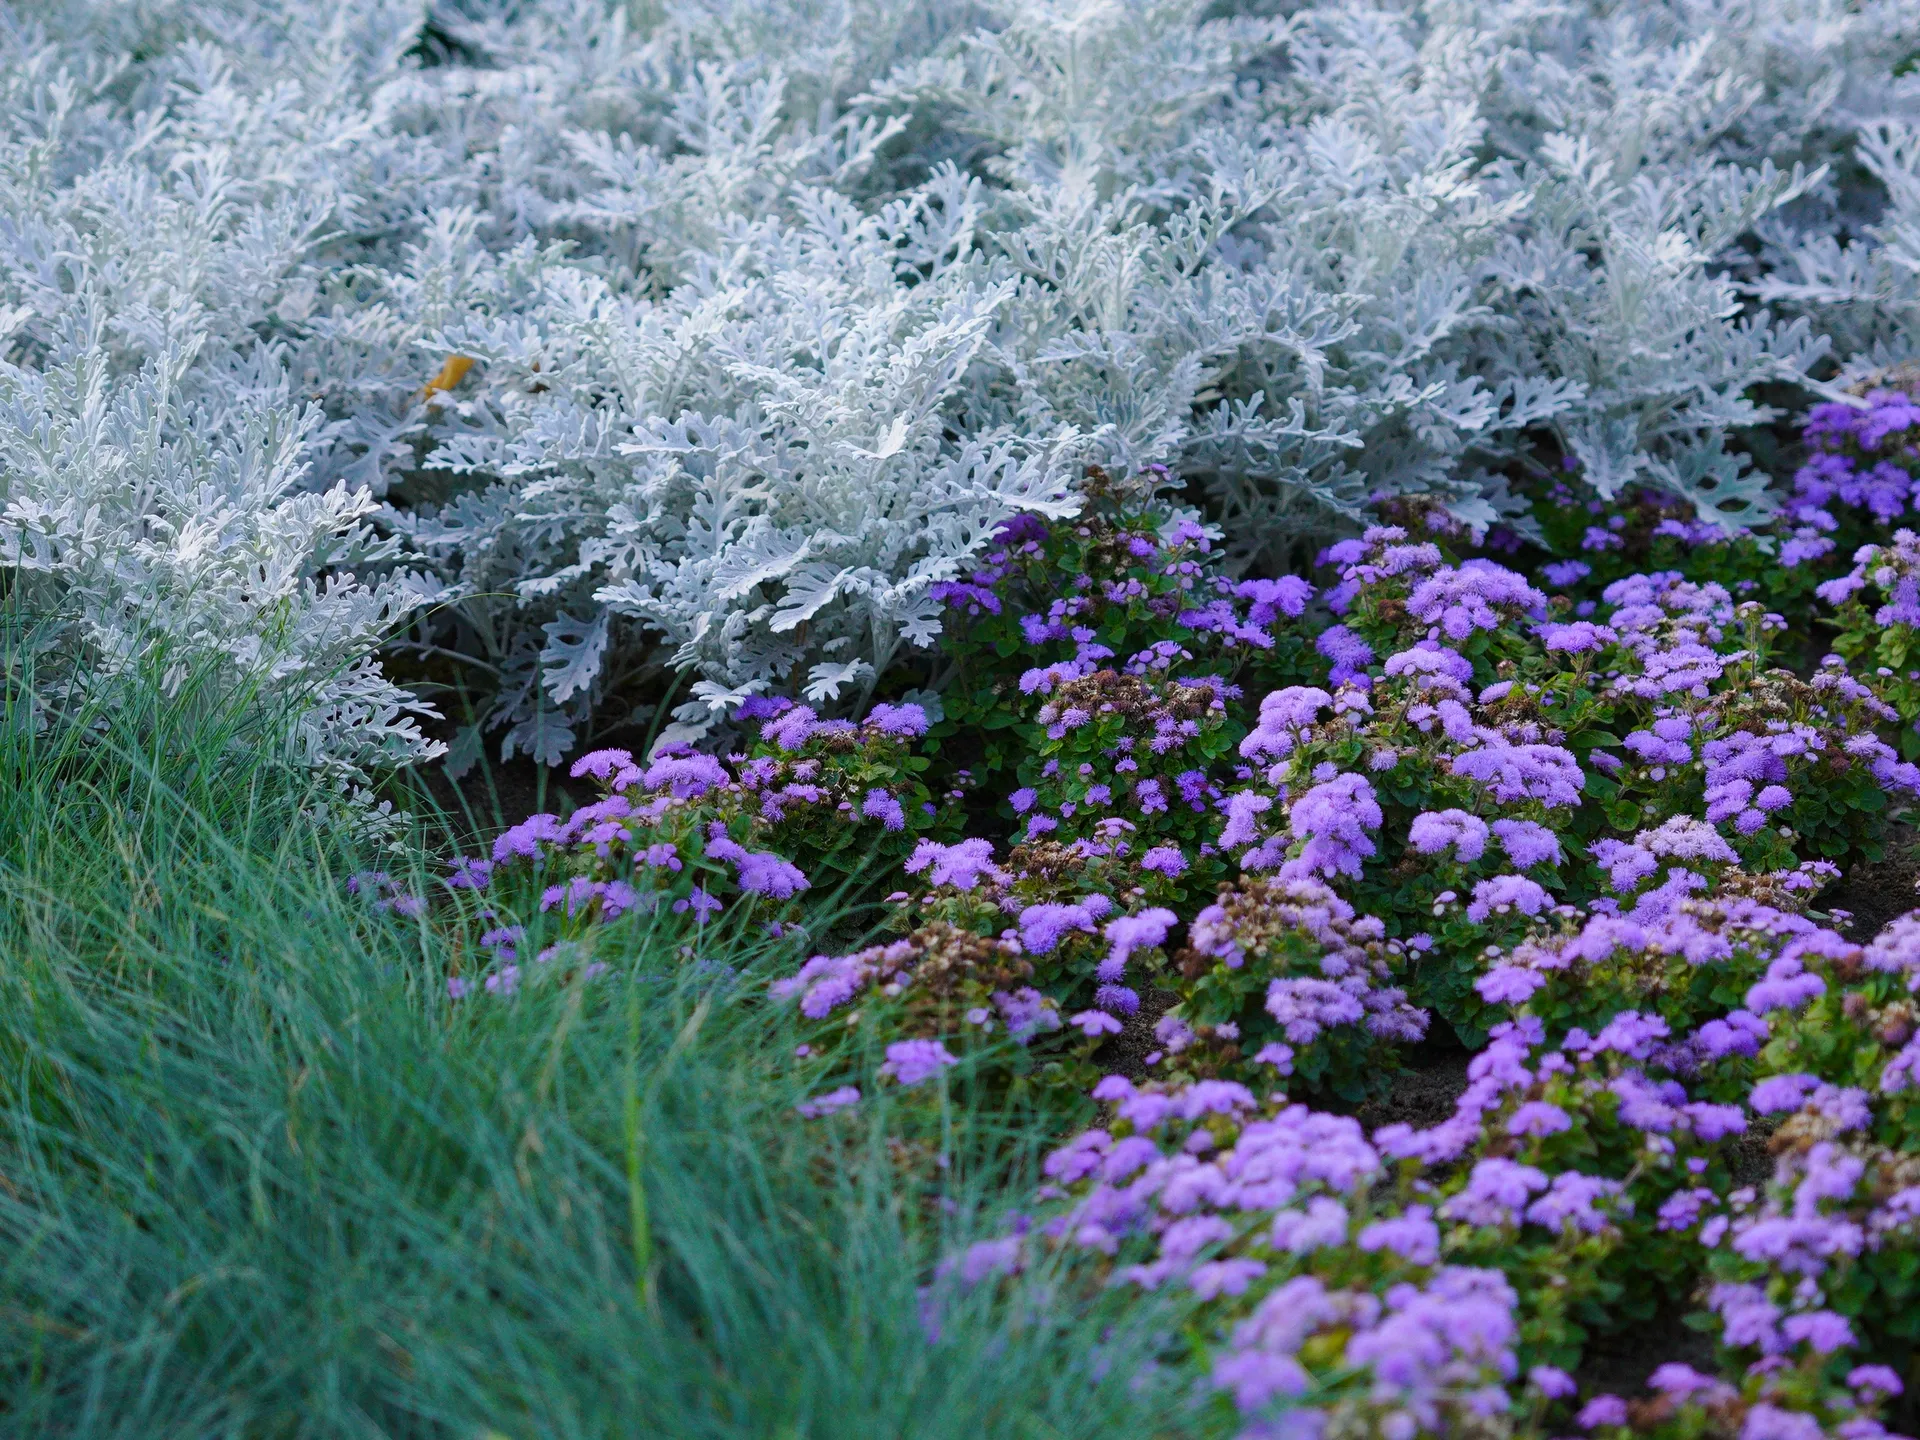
778	308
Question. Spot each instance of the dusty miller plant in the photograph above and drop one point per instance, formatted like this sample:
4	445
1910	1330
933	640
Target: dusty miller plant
777	310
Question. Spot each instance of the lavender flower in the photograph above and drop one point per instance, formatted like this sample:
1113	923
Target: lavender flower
524	840
1508	985
1602	1410
1504	893
828	1103
1433	832
1283	714
1349	653
470	873
1496	1193
1133	932
1165	860
1550	1380
881	806
700	903
681	772
962	865
1332	819
1412	1235
1527	843
906	722
912	1062
1044	926
1546	773
759	871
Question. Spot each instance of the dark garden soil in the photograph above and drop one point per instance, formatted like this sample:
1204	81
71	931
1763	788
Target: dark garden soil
1874	894
1424	1093
495	794
1126	1054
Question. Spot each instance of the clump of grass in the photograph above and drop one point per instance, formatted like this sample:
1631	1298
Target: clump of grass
258	1177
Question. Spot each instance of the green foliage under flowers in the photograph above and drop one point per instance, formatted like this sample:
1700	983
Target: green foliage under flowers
1886	634
1643	532
1114	584
1286	932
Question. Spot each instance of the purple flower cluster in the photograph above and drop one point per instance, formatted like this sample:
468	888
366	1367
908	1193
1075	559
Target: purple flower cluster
962	865
1457	602
1578	831
1865	456
1614	961
1323	981
1330	823
1283	715
1342	1297
1510	772
383	892
671	836
1893	570
967	982
914	1062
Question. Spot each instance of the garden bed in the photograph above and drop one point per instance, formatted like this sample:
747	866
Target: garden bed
914	717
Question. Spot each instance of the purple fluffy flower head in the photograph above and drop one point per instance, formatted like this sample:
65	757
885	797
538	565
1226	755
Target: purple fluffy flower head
1349	653
831	1101
1130	933
904	722
1434	832
1527	843
913	1062
1044	926
881	806
962	865
1333	818
1165	860
1506	892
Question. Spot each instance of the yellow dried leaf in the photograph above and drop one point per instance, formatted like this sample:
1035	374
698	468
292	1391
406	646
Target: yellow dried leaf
451	374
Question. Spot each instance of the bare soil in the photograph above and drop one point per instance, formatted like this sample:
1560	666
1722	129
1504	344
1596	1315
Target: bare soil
491	796
1874	894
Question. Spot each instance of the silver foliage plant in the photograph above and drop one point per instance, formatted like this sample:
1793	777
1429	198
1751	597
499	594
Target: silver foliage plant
779	307
170	487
